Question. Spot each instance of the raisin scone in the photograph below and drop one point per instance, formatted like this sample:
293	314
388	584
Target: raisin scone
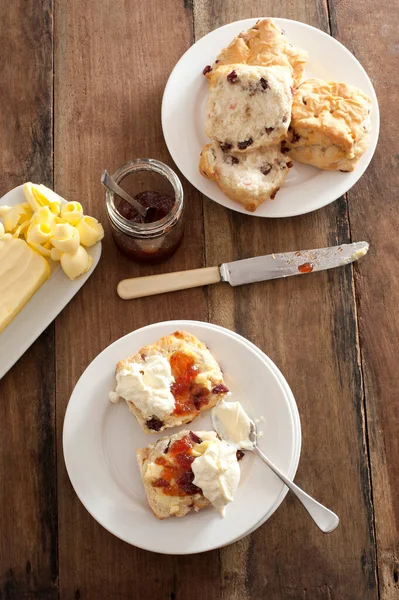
330	125
187	471
249	178
170	382
248	106
266	45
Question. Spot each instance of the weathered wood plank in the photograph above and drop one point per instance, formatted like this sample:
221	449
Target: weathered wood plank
28	504
112	60
374	216
308	326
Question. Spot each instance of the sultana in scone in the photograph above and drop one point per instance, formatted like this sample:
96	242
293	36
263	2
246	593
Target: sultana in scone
330	125
248	178
170	382
265	44
170	472
248	106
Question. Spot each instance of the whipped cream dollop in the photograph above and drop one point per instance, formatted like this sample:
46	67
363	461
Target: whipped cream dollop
232	423
147	385
217	472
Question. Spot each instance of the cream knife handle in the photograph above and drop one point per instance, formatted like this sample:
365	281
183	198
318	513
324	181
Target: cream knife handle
138	287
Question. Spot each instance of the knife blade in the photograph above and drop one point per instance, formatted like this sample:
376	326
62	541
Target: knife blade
248	270
286	264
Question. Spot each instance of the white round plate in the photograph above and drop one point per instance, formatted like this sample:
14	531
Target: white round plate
183	116
100	441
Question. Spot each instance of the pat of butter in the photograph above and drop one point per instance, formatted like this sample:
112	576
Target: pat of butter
153	471
22	272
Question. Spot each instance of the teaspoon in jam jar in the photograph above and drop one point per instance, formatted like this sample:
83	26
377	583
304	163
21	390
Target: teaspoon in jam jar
149	226
158	206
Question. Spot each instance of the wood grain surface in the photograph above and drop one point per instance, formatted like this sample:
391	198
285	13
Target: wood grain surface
374	215
28	484
333	334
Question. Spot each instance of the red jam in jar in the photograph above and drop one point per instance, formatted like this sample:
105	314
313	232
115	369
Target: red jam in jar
158	235
159	206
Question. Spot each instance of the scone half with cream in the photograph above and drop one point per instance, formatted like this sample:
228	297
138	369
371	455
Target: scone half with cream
170	382
248	106
188	471
248	178
330	125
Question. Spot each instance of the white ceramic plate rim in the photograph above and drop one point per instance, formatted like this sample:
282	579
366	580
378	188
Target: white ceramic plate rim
335	188
185	324
43	307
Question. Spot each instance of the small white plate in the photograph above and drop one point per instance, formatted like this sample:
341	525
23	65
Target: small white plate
183	116
43	307
100	441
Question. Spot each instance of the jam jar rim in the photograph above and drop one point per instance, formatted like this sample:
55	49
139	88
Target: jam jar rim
145	230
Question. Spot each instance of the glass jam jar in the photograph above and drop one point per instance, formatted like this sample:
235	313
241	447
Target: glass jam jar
154	241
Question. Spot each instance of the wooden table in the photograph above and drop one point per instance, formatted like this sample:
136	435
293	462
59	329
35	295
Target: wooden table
81	86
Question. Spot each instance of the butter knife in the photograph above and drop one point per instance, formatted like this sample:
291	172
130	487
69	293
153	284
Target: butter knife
249	270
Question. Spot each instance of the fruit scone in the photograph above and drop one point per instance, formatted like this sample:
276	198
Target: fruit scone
189	471
170	382
330	125
265	44
248	106
247	178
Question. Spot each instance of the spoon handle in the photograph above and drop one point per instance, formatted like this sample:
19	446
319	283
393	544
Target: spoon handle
324	518
111	185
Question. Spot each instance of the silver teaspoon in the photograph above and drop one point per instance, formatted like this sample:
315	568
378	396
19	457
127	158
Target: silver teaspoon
324	518
111	185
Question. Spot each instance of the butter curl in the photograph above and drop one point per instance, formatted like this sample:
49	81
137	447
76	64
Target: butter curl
76	264
15	216
90	231
72	212
40	195
3	210
39	233
3	234
65	238
43	216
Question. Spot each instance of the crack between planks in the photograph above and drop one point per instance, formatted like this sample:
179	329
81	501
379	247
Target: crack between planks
328	12
356	300
204	257
366	441
55	322
52	88
190	5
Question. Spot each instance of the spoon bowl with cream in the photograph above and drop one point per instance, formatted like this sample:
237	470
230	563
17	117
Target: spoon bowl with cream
233	425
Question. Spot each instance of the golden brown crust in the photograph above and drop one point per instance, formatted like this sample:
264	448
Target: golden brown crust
264	44
162	505
330	124
209	373
207	163
208	169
